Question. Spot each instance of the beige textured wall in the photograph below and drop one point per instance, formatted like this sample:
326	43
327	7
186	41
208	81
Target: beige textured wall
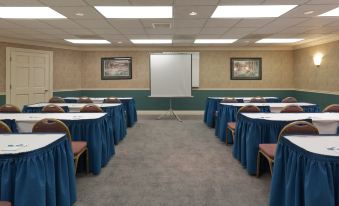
67	66
324	78
214	70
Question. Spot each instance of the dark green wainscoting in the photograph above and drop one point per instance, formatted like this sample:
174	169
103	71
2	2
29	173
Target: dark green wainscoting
199	97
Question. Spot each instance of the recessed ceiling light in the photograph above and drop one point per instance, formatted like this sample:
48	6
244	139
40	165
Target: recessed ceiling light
119	42
80	14
29	13
214	41
254	11
308	12
333	12
193	13
278	41
88	41
151	41
135	12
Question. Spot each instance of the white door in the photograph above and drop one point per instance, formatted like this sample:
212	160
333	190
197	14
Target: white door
29	76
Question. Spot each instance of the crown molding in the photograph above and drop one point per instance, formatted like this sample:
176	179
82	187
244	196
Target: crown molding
321	41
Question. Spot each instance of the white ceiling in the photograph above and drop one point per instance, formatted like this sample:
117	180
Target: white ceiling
185	28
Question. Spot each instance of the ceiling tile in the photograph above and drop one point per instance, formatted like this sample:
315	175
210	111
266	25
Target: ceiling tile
297	30
221	22
70	12
318	21
64	2
189	23
6	24
300	10
279	25
147	23
108	2
191	30
211	30
159	31
208	36
78	31
238	32
253	22
62	24
21	3
52	31
151	2
105	31
323	30
182	12
132	30
126	23
239	2
36	24
94	24
284	2
196	2
323	2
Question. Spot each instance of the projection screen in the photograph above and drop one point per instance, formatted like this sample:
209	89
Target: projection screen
171	75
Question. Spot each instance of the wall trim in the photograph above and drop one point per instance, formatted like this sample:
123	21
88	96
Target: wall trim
229	89
2	93
66	90
179	112
318	91
115	89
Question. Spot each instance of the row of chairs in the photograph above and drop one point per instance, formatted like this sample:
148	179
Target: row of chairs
258	99
87	100
50	108
56	126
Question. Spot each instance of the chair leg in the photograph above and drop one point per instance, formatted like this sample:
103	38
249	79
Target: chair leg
258	164
76	159
232	131
270	163
87	161
227	136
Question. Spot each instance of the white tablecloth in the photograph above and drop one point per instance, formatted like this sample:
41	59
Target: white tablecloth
324	145
18	143
245	99
327	123
25	121
274	107
73	107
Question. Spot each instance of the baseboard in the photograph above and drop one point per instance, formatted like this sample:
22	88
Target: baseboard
179	112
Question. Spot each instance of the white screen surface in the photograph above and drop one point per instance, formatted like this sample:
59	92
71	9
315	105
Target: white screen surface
171	75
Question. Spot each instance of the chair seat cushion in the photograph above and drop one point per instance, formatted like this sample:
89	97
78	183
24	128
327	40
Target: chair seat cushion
78	146
231	125
268	149
3	203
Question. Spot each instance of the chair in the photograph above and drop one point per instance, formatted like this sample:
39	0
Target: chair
112	100
289	100
52	108
258	100
56	100
4	203
294	128
332	108
229	100
9	108
245	109
292	109
54	125
84	100
91	108
4	129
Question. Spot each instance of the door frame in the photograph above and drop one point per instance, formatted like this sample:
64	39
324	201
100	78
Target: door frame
9	50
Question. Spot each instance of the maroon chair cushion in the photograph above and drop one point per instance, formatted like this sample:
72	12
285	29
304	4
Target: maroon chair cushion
268	149
231	125
3	203
78	146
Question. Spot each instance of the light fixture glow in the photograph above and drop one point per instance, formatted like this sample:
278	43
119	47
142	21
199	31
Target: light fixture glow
80	14
308	12
135	12
333	12
88	41
253	11
214	41
277	41
29	13
317	58
193	13
151	41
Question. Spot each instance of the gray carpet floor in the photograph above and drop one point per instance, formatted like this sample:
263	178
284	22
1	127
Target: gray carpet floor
165	162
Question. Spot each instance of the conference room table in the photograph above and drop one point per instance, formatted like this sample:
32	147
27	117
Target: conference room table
306	171
128	102
37	169
94	128
227	112
115	112
212	104
253	129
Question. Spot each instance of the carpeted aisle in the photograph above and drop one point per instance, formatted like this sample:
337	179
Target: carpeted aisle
165	162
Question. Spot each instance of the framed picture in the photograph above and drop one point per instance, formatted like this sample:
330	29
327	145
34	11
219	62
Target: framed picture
246	69
116	68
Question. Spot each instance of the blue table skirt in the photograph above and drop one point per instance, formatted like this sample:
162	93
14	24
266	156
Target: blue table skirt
249	134
212	106
28	109
116	114
129	106
131	111
98	134
311	109
40	177
226	114
303	178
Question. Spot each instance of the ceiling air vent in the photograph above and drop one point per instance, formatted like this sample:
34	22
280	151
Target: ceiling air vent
161	25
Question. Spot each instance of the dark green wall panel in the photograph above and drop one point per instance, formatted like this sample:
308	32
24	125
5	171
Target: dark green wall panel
2	99
318	98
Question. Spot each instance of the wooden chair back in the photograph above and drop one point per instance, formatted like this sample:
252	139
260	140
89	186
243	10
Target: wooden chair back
52	108
4	128
258	100
332	108
9	108
91	108
292	109
84	100
289	100
51	126
299	128
56	99
112	100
